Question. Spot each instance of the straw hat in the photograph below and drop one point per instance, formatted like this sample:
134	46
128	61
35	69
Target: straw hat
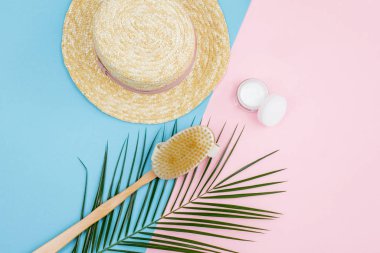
145	61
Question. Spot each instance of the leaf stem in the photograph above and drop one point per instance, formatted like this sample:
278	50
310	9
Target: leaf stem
153	222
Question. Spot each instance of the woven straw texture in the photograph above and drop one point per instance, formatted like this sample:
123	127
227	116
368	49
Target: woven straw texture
183	152
210	65
130	42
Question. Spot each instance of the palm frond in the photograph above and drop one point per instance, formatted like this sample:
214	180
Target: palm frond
77	242
179	207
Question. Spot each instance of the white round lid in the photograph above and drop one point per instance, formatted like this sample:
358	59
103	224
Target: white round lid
252	93
273	110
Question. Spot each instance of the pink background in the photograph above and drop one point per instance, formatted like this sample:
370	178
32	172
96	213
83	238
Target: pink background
324	56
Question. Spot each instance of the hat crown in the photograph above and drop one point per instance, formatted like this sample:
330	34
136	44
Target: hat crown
144	44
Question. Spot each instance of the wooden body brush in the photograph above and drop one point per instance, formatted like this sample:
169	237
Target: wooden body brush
171	159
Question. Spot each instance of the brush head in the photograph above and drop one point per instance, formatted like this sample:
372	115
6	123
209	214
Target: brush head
183	152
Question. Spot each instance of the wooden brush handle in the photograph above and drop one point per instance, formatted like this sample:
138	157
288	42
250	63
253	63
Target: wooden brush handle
67	236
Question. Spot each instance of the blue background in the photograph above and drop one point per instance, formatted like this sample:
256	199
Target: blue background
46	123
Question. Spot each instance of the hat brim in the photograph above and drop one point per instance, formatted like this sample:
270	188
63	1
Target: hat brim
210	65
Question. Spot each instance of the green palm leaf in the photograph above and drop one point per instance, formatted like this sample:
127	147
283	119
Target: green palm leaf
181	239
138	225
213	222
236	207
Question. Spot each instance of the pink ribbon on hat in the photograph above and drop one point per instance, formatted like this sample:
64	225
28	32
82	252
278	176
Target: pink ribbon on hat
159	90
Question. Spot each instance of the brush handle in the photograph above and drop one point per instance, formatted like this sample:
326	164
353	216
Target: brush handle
71	233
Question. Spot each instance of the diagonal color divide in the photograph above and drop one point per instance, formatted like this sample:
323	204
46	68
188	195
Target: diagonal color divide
46	123
324	56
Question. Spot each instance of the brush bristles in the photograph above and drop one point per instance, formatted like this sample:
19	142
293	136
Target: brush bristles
182	152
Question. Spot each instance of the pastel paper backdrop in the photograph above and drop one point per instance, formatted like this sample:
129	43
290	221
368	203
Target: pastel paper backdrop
46	123
324	56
